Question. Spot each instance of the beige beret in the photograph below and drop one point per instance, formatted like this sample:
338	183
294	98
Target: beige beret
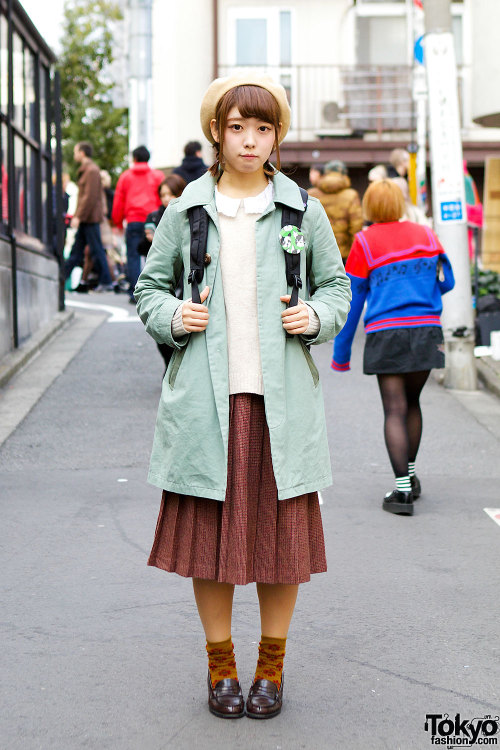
221	86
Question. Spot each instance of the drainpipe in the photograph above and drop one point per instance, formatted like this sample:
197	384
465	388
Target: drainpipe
11	191
215	29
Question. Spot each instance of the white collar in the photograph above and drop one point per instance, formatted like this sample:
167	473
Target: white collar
255	204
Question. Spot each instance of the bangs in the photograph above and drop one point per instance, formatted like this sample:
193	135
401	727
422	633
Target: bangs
252	101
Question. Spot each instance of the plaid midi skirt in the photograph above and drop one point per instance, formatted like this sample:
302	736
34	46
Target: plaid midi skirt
251	536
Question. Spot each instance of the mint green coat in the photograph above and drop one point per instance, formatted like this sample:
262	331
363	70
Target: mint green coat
190	446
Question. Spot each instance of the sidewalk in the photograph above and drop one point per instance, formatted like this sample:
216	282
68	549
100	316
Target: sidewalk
488	371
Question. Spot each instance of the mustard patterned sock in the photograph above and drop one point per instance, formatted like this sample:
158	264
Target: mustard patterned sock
270	662
221	661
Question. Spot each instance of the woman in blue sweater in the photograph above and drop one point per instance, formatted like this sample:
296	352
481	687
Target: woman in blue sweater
401	270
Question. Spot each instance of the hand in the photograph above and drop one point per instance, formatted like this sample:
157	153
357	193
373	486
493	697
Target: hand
195	317
295	319
149	235
75	222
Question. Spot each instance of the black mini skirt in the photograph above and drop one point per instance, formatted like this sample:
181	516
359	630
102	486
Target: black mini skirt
398	350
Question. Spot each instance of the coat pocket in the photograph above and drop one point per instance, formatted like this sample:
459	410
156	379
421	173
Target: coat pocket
178	356
311	363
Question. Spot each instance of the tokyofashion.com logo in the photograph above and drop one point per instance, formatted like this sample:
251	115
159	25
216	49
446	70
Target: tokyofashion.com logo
460	732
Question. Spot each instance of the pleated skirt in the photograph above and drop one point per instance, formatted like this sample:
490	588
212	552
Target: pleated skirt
251	536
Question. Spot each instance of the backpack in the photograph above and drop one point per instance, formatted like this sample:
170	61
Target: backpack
290	218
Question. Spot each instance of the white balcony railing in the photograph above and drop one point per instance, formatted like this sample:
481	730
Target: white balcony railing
345	99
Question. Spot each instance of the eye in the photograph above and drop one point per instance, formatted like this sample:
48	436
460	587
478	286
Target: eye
264	128
236	127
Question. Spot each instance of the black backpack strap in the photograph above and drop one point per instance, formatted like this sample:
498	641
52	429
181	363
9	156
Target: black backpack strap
198	224
291	216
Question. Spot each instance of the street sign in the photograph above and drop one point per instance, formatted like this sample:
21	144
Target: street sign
418	50
446	146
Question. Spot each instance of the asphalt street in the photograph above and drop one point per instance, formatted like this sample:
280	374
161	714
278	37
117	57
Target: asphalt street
101	652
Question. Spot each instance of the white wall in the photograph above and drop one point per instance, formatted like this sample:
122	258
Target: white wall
320	29
182	71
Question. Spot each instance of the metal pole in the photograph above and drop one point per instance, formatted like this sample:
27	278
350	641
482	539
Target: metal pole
140	36
11	174
56	112
448	193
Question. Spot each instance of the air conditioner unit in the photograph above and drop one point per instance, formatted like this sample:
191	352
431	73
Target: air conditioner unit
330	120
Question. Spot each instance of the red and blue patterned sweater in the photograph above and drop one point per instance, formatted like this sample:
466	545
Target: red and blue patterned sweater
401	270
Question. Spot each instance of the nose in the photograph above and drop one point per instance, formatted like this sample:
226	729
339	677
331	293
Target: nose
249	141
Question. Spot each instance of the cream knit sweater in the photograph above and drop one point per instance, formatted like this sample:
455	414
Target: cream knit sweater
238	251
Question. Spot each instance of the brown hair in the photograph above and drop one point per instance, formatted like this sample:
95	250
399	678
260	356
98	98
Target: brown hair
383	201
252	101
175	184
86	147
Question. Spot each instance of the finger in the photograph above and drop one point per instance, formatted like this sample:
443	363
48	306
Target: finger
195	329
204	293
196	324
290	311
197	315
295	319
286	298
196	307
295	329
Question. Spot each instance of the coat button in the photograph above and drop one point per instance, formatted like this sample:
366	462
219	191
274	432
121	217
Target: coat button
208	259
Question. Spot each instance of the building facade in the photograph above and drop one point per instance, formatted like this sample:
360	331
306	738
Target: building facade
348	67
31	289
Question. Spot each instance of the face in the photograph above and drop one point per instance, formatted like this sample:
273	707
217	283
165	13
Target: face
314	176
77	154
248	142
166	195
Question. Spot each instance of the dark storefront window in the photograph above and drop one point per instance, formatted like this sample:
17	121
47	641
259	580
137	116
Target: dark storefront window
26	131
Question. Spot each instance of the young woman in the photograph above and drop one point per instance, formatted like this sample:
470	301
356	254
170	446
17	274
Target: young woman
240	447
401	270
171	187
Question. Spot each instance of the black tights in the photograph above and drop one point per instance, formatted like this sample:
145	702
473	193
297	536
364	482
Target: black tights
402	416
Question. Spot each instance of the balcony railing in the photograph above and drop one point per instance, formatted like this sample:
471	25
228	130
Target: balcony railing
341	100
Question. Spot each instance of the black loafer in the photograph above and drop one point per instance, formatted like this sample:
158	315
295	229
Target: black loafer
264	699
225	699
399	502
416	489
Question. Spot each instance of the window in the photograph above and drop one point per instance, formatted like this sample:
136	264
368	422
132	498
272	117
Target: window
25	126
251	41
261	38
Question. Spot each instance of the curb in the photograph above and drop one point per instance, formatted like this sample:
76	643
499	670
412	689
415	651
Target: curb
489	375
16	360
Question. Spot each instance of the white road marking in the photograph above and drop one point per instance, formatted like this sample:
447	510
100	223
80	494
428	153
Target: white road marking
118	314
494	514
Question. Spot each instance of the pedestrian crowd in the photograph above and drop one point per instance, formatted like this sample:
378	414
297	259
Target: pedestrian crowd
244	271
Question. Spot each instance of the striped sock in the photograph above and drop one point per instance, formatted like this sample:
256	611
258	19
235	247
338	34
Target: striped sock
403	484
411	468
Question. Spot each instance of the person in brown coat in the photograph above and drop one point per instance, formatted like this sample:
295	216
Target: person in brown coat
88	216
341	203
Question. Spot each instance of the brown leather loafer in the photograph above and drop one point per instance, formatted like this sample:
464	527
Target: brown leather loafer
225	699
264	699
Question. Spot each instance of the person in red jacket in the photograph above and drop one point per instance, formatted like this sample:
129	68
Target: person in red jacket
136	196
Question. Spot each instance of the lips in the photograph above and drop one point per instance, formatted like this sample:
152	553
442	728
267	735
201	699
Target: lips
249	156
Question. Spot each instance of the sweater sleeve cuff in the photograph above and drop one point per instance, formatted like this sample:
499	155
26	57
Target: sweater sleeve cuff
178	330
344	367
314	322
